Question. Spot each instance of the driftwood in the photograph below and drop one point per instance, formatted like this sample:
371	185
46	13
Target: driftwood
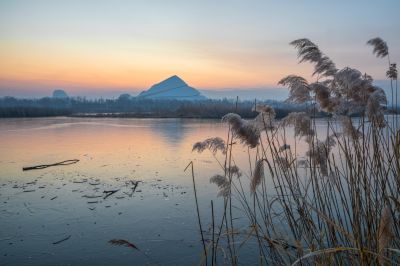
109	192
42	166
62	240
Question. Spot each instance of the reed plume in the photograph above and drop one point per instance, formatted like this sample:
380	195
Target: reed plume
264	108
301	122
258	175
223	184
323	97
299	91
213	144
319	152
266	117
380	47
234	171
246	131
349	129
324	207
346	80
325	67
309	51
374	109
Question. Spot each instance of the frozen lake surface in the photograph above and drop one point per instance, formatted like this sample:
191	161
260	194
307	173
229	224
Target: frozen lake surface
60	215
41	207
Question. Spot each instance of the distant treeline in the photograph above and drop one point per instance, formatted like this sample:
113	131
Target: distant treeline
133	107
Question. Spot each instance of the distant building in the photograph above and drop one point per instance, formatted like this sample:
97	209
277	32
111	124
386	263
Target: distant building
124	96
60	94
173	88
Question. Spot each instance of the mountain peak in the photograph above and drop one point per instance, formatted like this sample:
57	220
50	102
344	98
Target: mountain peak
172	88
173	81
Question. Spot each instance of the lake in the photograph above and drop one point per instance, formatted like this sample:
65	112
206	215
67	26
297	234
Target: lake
60	215
42	207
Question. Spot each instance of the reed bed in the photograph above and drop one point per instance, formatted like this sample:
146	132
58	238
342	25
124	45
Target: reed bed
338	203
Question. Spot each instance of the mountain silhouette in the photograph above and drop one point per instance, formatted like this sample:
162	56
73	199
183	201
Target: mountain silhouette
172	88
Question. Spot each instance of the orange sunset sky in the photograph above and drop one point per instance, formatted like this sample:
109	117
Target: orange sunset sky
130	45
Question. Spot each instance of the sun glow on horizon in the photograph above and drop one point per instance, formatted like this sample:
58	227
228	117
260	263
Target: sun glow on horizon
131	65
132	45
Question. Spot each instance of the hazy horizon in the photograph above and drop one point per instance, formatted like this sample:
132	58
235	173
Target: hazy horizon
268	93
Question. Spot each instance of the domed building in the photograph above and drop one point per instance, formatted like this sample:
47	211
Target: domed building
60	94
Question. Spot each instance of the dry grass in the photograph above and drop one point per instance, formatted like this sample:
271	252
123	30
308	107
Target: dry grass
338	206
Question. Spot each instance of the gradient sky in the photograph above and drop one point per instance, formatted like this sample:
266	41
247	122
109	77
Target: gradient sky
84	46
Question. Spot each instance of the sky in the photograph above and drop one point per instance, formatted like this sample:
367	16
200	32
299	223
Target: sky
98	47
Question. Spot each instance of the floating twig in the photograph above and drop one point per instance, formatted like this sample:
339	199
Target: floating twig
42	166
122	242
125	243
62	240
109	192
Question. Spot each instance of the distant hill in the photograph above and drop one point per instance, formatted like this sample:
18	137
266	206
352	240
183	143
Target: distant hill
173	88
